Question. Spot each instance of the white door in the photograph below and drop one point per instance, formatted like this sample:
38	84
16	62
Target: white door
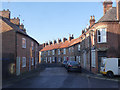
18	66
50	60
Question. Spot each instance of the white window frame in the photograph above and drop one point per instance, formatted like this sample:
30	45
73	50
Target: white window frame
23	44
79	47
32	61
93	58
23	61
64	51
58	51
53	59
103	35
64	58
53	52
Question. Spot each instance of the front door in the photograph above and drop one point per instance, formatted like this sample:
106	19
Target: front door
18	66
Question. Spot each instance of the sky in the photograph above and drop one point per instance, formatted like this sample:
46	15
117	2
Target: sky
46	21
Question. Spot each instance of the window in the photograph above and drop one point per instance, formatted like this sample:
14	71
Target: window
23	61
64	51
32	45
23	43
53	59
53	52
64	58
101	35
118	62
59	60
50	60
32	61
93	58
46	59
58	51
79	47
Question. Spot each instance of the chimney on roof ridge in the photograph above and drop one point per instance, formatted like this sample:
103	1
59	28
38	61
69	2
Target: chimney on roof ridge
92	20
59	40
54	41
64	39
15	21
50	42
5	13
43	44
46	43
118	9
107	4
71	37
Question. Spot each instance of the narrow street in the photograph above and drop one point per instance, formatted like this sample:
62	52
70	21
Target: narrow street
58	77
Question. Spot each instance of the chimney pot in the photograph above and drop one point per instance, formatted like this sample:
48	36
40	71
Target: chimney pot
107	5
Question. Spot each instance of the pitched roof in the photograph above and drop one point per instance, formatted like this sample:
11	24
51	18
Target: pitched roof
65	44
110	15
78	40
16	28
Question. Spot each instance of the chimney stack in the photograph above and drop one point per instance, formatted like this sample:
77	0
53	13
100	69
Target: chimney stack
5	13
50	42
43	44
46	43
21	26
54	42
15	21
118	10
107	4
92	20
71	37
64	39
59	40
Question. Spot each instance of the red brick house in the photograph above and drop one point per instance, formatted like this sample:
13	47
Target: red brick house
99	40
19	50
102	39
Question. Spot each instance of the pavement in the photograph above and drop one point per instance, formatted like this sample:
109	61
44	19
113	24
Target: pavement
48	71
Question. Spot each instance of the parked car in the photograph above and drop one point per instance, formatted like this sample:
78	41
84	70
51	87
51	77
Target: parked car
64	63
73	66
110	67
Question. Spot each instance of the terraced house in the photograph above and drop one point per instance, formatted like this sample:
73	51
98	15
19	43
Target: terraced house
99	40
19	50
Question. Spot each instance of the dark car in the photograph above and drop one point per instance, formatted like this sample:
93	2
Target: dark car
73	66
64	63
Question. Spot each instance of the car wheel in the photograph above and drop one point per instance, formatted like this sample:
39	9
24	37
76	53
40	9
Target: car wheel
110	74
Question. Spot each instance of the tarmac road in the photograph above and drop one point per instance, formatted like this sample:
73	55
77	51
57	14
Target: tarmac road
58	77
